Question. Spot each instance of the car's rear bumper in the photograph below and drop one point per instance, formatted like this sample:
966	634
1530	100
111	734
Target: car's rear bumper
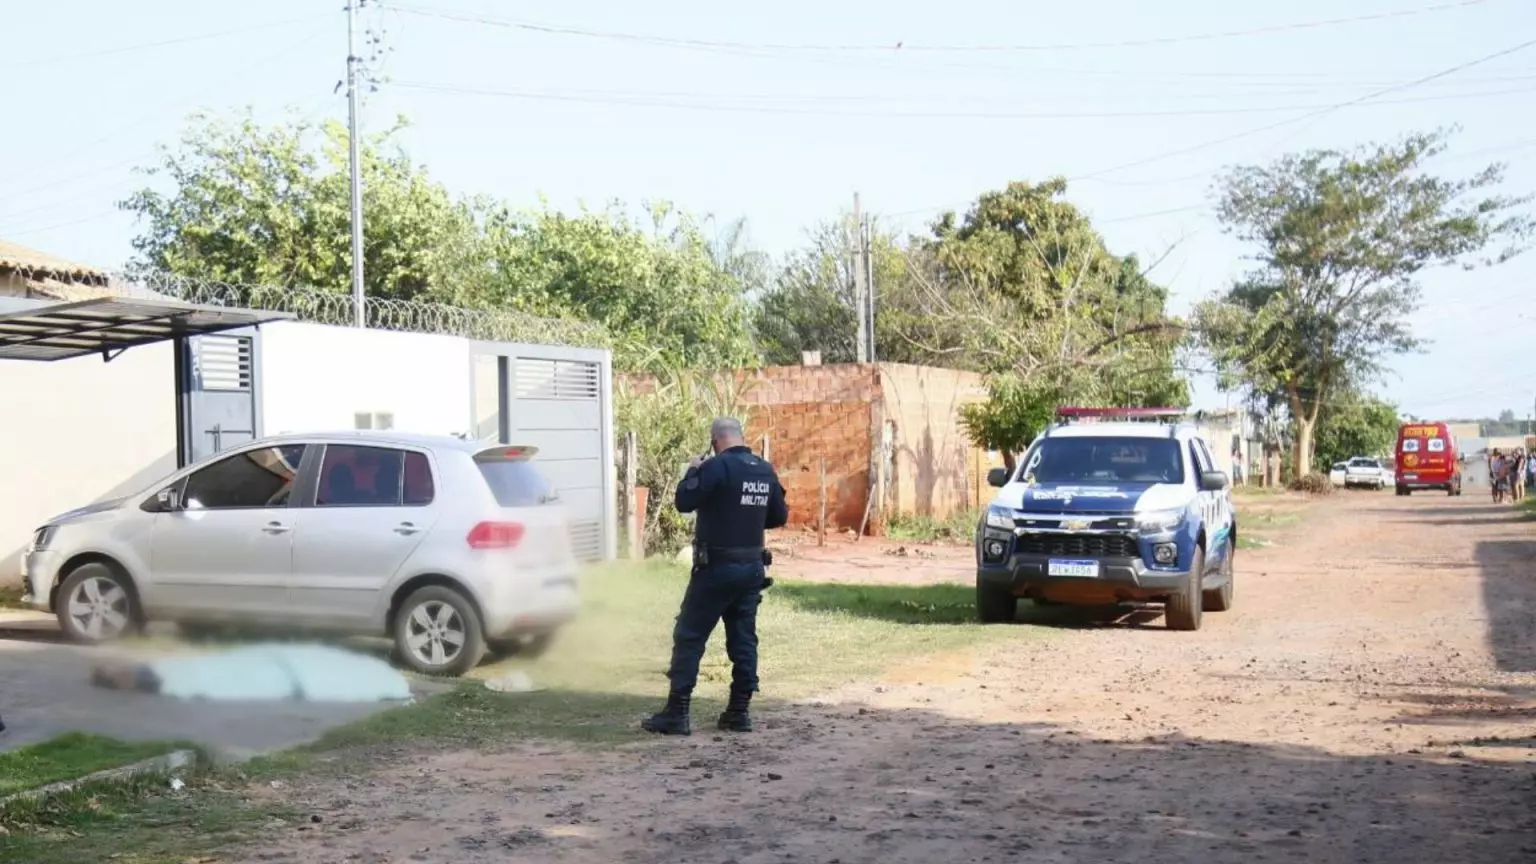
550	602
1119	579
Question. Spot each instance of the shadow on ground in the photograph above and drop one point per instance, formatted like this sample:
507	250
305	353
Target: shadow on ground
948	604
1509	598
854	783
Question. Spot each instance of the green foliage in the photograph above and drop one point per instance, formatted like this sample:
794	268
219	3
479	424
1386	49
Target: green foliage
1355	427
1013	413
658	290
671	426
958	527
250	204
1315	483
241	203
810	306
1340	239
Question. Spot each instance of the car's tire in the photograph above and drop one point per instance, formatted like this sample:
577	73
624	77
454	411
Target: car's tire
531	647
1220	599
995	604
427	626
1183	609
97	604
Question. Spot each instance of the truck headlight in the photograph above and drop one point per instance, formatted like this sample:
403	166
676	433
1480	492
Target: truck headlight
998	517
1158	521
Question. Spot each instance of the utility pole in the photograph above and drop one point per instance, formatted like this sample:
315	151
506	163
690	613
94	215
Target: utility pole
860	285
866	246
355	166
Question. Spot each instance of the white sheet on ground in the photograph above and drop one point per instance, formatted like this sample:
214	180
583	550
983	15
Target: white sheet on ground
312	673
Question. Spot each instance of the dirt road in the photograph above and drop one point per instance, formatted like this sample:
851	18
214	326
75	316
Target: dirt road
1371	699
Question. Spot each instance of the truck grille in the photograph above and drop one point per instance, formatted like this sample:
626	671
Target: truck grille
1078	545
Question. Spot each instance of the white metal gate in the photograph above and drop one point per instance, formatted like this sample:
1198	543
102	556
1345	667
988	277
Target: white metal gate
559	400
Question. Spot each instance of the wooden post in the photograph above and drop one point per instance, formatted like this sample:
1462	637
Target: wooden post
821	538
767	455
634	518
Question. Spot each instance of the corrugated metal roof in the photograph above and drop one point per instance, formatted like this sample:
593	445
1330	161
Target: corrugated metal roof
58	331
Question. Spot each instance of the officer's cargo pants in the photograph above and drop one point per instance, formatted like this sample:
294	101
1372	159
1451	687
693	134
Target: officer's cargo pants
729	592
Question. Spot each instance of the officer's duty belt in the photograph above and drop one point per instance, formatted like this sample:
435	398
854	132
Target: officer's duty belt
735	554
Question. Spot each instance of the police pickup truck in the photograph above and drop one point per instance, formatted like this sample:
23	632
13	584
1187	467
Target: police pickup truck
1110	505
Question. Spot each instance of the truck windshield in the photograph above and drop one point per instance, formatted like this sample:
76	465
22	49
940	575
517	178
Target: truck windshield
1105	460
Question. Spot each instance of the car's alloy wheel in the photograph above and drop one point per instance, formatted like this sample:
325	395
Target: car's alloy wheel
95	605
438	632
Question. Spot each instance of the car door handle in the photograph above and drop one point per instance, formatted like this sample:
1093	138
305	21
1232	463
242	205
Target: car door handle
406	528
275	528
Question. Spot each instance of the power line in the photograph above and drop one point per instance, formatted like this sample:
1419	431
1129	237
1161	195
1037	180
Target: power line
143	46
1369	97
1311	115
902	46
650	100
70	156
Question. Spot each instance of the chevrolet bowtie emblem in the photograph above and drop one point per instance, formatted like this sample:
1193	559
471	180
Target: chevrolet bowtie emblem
1076	524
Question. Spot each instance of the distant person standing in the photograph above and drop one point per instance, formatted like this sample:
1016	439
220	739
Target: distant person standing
1517	469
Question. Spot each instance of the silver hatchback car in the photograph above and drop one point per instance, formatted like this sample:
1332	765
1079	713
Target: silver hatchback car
446	546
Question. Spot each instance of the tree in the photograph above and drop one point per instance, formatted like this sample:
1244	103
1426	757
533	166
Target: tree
658	290
1340	240
269	205
1024	290
810	306
1353	426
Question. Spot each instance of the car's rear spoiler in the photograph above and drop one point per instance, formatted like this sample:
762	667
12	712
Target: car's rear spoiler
506	453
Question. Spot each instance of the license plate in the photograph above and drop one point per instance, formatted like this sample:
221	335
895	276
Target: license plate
1082	569
1410	476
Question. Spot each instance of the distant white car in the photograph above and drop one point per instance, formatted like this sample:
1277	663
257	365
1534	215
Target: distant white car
447	546
1365	472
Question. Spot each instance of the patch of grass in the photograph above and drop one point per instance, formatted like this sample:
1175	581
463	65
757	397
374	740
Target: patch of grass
1269	520
10	597
605	673
69	757
1528	507
137	821
1250	491
958	527
609	667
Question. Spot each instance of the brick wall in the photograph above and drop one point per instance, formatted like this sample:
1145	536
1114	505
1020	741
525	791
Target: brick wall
809	414
835	413
933	465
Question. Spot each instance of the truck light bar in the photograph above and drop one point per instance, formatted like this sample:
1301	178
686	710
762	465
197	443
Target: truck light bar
1149	415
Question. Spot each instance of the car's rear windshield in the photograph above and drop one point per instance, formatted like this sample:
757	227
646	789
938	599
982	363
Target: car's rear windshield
516	483
1365	463
1105	460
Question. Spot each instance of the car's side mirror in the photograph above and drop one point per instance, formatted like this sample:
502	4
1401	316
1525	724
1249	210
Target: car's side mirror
997	477
1213	481
168	499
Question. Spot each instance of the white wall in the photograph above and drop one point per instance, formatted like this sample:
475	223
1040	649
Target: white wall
77	431
315	378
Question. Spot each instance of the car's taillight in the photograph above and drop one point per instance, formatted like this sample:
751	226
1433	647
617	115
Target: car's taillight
495	535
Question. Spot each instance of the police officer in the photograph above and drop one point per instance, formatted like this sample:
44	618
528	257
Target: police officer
736	496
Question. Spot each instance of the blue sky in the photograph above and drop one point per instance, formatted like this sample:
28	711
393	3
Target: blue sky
781	130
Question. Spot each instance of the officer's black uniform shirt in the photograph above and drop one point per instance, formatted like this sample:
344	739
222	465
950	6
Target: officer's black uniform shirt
737	496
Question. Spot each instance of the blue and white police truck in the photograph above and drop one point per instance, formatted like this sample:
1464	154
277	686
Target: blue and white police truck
1110	505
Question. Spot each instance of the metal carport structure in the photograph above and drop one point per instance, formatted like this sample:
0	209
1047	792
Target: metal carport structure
215	349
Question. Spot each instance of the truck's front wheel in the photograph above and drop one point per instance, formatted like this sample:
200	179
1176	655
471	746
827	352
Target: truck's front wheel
995	604
1184	608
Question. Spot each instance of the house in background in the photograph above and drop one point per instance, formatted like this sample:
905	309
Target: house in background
30	274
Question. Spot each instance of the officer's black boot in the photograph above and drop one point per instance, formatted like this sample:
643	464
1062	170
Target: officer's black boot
673	719
735	718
